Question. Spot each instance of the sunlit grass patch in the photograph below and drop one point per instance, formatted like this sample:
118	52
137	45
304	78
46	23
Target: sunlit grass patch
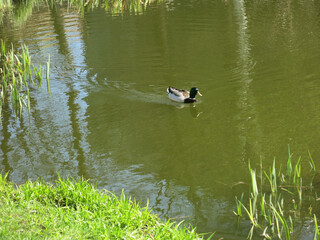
72	209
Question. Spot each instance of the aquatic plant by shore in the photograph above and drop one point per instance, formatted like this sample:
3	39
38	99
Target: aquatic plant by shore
72	209
274	205
5	4
21	10
16	74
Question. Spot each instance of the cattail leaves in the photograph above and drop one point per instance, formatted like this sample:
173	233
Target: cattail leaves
16	76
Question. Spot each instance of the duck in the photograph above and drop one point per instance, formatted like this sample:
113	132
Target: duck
181	95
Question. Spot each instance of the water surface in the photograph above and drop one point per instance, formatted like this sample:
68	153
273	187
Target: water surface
109	119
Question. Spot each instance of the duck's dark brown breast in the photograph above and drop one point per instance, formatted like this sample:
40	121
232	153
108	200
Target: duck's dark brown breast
190	100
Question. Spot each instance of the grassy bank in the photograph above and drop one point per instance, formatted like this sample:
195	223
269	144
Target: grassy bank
72	209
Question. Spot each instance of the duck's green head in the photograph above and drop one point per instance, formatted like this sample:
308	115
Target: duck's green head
193	92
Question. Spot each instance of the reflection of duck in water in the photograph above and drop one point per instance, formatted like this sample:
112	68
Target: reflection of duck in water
194	112
184	96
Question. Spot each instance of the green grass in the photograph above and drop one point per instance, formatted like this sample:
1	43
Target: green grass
72	209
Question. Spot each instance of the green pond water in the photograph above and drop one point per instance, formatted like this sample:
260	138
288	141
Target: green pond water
256	63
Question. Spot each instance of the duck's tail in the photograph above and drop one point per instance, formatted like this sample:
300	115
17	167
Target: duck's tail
169	90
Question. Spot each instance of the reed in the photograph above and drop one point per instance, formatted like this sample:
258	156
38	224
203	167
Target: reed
238	211
16	76
297	172
272	178
289	165
37	75
316	232
279	217
20	11
253	181
269	208
313	166
5	5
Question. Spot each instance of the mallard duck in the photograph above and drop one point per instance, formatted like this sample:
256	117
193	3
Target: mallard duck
180	95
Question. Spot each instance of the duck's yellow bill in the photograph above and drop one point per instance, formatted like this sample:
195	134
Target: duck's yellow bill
199	93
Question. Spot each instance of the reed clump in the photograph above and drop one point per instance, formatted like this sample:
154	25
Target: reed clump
5	5
17	73
21	10
274	202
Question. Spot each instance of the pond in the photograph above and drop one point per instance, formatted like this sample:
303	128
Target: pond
110	120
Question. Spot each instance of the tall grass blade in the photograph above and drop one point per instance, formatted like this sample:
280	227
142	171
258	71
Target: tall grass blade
316	233
238	205
249	212
274	176
254	183
297	171
15	76
3	48
283	222
289	165
313	166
